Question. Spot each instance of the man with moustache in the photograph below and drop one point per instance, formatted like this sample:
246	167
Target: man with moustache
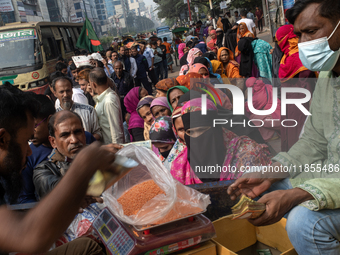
36	230
67	137
63	90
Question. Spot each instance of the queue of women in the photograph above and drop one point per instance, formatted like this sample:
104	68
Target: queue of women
187	141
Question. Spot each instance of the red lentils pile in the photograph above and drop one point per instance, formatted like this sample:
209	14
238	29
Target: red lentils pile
137	196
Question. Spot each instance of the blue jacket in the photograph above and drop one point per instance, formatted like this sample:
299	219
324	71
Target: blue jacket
142	66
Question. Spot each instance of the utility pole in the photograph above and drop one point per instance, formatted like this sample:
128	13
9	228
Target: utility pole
188	1
211	8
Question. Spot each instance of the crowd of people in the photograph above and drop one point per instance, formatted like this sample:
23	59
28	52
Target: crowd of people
127	97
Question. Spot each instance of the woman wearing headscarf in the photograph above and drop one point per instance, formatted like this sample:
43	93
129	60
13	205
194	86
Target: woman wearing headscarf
160	107
219	36
192	54
291	67
136	123
183	60
181	47
242	31
230	66
213	40
202	47
164	85
174	94
180	168
209	30
262	99
163	138
184	80
205	61
262	58
211	146
200	69
143	109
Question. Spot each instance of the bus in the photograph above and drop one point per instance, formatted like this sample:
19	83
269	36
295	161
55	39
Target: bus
29	52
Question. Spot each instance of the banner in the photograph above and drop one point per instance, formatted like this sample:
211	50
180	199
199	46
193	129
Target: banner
6	6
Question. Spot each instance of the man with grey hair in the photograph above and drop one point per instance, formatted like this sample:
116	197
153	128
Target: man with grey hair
62	87
108	107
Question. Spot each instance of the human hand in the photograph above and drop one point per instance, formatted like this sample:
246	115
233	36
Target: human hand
252	185
89	200
278	203
104	62
239	36
271	51
114	147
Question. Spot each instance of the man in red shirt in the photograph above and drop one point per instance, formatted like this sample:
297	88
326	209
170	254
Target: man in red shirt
259	15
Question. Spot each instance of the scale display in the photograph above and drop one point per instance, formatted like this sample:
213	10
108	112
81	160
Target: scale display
116	239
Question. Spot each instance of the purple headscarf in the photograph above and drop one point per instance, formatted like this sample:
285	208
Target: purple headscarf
160	101
131	101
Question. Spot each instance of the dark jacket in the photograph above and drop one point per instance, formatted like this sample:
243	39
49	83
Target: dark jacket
142	66
48	174
126	80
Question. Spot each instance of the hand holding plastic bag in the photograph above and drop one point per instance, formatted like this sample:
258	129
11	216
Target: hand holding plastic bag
177	196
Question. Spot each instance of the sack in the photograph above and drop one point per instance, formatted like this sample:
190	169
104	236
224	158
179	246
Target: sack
150	167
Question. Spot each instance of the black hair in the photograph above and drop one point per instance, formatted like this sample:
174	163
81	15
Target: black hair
98	76
56	75
165	39
76	52
14	106
70	59
83	52
243	13
60	58
85	67
73	67
235	11
329	9
113	52
60	66
210	55
143	42
100	64
189	44
154	43
110	48
134	48
203	61
159	39
62	78
52	122
46	106
199	22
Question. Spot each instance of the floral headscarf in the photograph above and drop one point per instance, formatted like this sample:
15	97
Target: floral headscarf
161	131
166	84
191	55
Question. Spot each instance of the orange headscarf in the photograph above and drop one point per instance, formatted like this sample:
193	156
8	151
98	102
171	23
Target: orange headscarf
184	80
245	34
232	70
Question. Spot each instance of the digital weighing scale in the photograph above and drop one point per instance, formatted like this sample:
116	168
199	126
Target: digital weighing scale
123	239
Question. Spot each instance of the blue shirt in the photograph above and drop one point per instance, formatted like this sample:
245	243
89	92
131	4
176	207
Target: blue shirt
111	70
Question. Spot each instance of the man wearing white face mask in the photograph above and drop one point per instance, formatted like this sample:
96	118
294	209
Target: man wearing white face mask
310	198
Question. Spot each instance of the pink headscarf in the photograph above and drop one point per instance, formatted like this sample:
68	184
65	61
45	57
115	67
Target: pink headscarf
181	47
191	55
263	97
196	67
190	59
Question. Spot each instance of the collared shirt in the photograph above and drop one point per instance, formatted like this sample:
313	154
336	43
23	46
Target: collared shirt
108	74
78	96
318	148
88	116
110	116
148	54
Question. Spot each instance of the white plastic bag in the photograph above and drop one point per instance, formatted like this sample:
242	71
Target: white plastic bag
150	167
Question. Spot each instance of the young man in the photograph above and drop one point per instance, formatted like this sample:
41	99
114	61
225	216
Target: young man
148	54
231	19
61	67
250	23
158	62
169	61
36	230
251	16
142	67
108	108
259	16
163	48
313	162
237	17
63	90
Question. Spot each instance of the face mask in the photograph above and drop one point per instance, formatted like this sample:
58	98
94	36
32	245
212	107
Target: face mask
165	154
316	55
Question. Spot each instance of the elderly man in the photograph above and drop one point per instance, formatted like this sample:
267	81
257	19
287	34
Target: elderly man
63	91
108	107
313	161
35	231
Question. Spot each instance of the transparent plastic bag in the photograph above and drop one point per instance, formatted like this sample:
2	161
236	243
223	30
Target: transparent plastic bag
158	208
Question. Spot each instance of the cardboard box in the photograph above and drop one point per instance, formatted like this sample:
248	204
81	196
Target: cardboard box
206	248
238	237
